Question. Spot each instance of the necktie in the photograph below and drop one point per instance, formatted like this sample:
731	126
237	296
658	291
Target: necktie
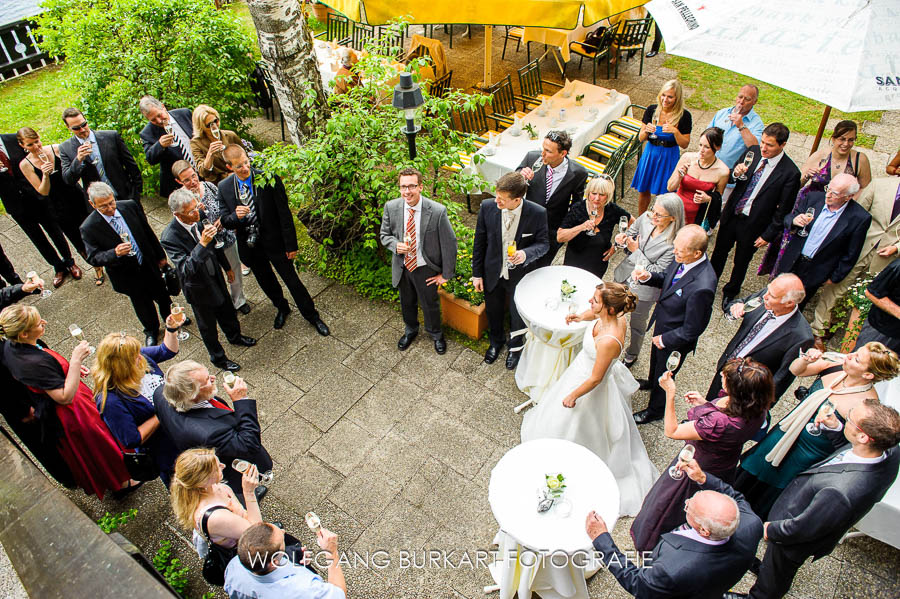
410	261
894	212
4	160
119	225
739	207
677	276
195	231
184	152
218	404
549	181
752	333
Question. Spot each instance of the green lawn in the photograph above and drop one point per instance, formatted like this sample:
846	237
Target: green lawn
37	100
717	88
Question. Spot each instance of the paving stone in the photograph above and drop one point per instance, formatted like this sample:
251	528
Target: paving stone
344	446
330	399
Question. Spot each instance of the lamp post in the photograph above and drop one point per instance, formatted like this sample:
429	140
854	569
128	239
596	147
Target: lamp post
408	97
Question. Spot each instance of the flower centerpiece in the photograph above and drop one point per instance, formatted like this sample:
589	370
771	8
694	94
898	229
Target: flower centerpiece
532	132
556	484
566	291
579	99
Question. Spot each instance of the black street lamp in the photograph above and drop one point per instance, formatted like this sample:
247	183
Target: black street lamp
408	97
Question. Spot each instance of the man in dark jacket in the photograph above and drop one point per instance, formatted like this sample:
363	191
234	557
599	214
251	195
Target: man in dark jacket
166	140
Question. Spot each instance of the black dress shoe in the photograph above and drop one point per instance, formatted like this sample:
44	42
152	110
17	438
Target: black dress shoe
512	359
122	493
406	340
280	318
644	416
492	353
629	363
440	345
187	321
245	309
651	53
151	339
321	327
754	567
730	595
260	492
227	364
244	340
643	384
725	301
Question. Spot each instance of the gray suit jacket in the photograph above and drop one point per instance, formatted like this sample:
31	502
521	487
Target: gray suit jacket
878	200
658	251
436	237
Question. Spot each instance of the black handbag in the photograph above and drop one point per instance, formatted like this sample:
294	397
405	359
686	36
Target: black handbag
141	466
170	277
217	557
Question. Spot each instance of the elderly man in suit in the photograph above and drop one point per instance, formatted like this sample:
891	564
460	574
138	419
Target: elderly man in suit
192	415
682	311
881	199
90	156
834	236
773	336
418	232
701	559
266	235
753	215
501	222
554	183
822	503
199	267
117	236
166	139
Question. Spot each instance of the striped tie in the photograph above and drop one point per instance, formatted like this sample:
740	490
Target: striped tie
739	207
410	261
549	181
677	276
185	154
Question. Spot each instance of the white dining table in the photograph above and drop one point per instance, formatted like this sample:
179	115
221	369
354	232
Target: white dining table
548	553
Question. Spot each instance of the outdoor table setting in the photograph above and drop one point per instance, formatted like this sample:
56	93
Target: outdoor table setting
327	58
559	39
581	109
550	344
541	493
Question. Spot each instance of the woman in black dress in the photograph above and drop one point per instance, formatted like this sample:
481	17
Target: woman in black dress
589	236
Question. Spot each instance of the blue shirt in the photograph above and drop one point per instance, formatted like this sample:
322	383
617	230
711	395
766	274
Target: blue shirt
820	229
96	159
123	224
732	142
288	581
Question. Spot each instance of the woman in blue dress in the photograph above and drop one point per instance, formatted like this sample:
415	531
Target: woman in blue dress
666	131
125	377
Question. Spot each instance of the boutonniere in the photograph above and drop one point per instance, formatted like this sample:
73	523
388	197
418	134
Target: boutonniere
678	292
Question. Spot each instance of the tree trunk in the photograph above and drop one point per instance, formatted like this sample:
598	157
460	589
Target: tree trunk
286	46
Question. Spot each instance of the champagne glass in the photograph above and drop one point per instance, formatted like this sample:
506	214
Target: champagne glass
810	212
126	239
572	308
240	465
266	478
178	313
593	214
748	160
639	262
623	226
752	304
510	252
684	456
76	332
673	361
825	411
204	222
214	129
46	160
312	520
244	195
655	122
33	277
168	128
229	378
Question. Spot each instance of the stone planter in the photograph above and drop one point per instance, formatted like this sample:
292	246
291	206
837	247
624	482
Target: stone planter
462	316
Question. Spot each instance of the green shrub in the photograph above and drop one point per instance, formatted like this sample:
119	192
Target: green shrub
110	522
170	567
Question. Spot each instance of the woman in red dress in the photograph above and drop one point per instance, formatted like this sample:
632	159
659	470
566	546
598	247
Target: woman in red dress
64	402
699	178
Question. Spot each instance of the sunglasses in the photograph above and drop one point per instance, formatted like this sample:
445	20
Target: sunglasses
215	121
79	127
555	136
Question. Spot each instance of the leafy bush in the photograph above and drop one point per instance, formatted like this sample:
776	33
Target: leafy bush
170	567
110	522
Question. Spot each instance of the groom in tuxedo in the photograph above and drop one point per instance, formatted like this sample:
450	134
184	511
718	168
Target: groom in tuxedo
502	221
682	311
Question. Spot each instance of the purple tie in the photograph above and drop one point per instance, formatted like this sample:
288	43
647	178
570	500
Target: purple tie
896	210
739	207
677	276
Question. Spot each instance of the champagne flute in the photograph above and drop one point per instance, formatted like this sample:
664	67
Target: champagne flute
810	212
752	304
168	127
639	262
244	195
655	123
313	521
748	160
46	160
76	332
229	378
825	411
178	313
204	222
684	456
33	277
510	252
127	239
623	226
242	465
673	361
214	130
593	214
572	308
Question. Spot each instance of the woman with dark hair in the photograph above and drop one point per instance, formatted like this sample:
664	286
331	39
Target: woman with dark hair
700	178
717	430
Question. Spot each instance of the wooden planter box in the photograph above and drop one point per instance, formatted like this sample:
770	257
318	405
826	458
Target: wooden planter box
462	316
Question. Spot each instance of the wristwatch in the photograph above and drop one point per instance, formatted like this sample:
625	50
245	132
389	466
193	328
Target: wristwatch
742	127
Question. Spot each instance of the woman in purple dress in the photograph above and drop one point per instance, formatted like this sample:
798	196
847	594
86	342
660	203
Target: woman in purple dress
717	430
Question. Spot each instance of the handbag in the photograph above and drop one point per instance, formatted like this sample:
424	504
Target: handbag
140	466
170	278
218	557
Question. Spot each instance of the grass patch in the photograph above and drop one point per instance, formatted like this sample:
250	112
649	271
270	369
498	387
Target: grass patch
717	88
37	100
242	11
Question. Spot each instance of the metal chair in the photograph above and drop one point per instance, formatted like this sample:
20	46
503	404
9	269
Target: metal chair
338	28
362	34
595	53
503	103
632	36
531	84
440	86
392	40
613	167
266	72
515	33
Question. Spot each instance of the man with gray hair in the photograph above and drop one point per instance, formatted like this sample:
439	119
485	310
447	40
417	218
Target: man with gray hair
193	416
701	559
189	241
166	139
118	237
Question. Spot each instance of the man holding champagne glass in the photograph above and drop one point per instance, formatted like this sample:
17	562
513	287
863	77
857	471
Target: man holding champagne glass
166	139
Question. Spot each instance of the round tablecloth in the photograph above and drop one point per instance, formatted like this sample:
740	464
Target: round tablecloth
551	344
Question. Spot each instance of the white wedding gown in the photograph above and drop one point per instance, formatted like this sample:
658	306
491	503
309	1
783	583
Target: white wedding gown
601	421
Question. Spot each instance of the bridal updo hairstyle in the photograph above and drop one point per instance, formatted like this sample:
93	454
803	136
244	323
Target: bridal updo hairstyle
618	298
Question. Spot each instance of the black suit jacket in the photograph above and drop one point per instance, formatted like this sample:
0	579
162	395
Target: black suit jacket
166	157
100	240
571	189
822	503
233	434
841	247
683	309
198	267
488	252
118	163
773	201
776	351
276	223
685	568
15	191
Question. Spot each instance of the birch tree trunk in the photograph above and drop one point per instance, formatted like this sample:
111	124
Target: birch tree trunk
286	45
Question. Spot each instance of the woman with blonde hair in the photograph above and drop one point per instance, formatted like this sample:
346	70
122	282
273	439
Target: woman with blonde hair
667	127
63	403
126	376
209	142
590	404
589	225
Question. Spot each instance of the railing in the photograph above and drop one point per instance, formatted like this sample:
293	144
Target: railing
19	50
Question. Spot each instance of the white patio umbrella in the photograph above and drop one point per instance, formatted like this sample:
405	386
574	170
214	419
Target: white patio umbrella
843	53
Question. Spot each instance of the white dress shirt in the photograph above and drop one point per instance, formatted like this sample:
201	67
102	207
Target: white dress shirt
849	457
417	216
559	173
688	532
770	166
768	328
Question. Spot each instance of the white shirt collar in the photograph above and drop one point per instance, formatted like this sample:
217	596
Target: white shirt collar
187	227
775	160
416	208
838	211
517	210
687	267
690	533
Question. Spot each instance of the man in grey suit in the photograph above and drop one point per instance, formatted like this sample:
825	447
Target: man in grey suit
418	232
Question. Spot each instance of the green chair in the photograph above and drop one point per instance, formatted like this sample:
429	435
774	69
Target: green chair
503	103
631	37
595	53
531	85
337	28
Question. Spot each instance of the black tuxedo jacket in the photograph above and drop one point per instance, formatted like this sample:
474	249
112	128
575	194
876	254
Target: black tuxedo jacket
166	157
14	189
100	240
773	201
571	189
118	163
488	252
841	247
683	309
685	568
277	233
822	503
776	351
233	434
198	267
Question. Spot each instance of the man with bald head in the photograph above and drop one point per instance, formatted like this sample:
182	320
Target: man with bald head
701	559
682	311
773	332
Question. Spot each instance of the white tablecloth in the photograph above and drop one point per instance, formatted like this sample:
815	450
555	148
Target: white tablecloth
551	344
580	125
328	62
543	544
560	38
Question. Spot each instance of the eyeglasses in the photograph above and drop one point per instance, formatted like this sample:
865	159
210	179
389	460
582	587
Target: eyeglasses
658	215
79	127
851	421
408	187
835	193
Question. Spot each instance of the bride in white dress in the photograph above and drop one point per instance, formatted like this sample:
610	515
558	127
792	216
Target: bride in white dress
590	404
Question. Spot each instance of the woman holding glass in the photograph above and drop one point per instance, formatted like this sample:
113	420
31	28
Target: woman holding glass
125	377
699	179
209	142
717	430
798	440
588	227
650	243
